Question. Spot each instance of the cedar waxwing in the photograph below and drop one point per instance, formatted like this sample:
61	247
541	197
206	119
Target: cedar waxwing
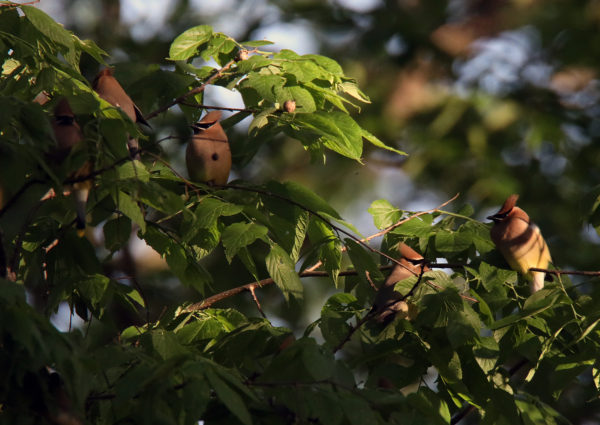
520	242
414	262
208	158
109	89
68	134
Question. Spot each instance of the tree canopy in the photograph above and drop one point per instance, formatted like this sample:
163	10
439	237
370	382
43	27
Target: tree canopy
210	322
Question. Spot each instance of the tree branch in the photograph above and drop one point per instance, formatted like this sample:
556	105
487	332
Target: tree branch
208	302
197	90
316	214
559	272
17	195
218	108
392	227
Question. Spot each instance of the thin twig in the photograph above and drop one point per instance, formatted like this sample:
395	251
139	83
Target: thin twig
218	108
19	4
316	214
370	281
257	303
392	227
197	90
208	302
17	195
79	179
559	272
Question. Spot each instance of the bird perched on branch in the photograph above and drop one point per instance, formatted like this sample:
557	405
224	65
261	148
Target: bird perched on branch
520	242
109	89
68	133
208	158
413	263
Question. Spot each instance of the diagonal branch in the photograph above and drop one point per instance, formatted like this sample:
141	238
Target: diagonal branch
192	92
208	302
392	227
218	108
316	214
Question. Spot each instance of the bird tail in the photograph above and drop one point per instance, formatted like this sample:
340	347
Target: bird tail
80	195
134	151
537	283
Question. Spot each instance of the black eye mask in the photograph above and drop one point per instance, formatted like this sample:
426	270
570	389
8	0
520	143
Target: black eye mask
65	120
415	261
198	127
499	216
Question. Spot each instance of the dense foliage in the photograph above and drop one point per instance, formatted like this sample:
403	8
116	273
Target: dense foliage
493	345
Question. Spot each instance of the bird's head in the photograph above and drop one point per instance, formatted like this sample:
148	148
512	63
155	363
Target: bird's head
506	209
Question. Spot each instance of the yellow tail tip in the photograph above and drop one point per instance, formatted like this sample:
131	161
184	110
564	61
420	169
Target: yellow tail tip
81	232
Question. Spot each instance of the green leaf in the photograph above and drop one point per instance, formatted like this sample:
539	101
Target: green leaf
330	250
375	141
463	326
256	43
91	48
47	26
186	45
338	131
334	327
113	131
384	214
358	411
453	243
494	279
206	215
303	196
199	331
326	63
239	235
117	233
129	208
45	80
166	345
466	210
431	405
266	85
244	255
93	289
180	262
218	44
229	397
415	227
544	299
281	268
290	234
351	88
133	170
362	261
305	103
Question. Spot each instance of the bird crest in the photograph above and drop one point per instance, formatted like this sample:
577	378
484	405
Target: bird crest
509	204
106	72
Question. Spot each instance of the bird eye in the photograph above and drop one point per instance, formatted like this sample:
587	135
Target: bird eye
416	261
215	156
504	214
